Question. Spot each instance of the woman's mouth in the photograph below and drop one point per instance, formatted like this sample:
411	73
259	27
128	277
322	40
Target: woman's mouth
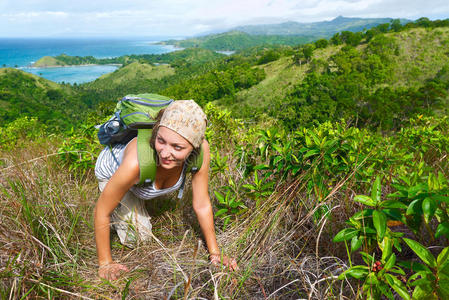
166	161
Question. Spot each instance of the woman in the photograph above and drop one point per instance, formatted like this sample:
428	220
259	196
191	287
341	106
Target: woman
178	134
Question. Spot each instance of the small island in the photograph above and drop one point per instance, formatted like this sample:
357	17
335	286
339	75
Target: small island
65	60
48	62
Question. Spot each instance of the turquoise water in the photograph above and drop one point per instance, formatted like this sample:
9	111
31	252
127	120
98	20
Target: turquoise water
23	52
76	74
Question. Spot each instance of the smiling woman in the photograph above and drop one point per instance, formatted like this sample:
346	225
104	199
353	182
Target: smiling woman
178	136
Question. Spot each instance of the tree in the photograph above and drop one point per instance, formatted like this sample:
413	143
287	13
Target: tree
336	39
423	22
321	43
383	27
396	25
308	51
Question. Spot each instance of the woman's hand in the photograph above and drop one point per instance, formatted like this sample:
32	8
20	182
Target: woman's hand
111	271
217	259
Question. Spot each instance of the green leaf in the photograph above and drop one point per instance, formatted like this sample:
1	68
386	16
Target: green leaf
221	212
390	262
376	190
443	289
423	292
440	198
220	197
311	153
443	258
413	280
414	208
392	204
442	229
364	200
249	186
414	266
356	243
397	270
398	286
387	248
372	279
357	272
385	290
262	167
380	223
368	259
422	252
428	207
277	159
345	234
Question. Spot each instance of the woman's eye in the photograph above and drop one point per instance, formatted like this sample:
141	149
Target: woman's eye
179	148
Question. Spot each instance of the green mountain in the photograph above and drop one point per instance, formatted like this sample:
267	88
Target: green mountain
24	94
288	33
237	40
49	61
393	75
322	29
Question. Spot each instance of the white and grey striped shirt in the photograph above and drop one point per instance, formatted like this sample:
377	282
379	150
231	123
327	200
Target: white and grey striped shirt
106	166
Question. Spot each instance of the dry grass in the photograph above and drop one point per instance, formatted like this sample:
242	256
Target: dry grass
48	251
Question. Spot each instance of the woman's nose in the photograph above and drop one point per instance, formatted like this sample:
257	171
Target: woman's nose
165	152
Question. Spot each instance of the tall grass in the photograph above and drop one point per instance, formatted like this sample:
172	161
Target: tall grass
48	249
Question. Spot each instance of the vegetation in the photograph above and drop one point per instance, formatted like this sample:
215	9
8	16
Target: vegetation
332	183
236	40
48	61
23	94
289	33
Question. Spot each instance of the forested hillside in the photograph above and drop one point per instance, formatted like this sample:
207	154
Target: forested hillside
288	33
23	94
328	177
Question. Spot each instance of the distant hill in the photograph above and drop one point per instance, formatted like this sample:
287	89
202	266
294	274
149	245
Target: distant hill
321	29
289	33
412	61
24	94
134	74
48	61
237	40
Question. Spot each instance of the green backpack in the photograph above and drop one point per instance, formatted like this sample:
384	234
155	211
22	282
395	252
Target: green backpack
135	115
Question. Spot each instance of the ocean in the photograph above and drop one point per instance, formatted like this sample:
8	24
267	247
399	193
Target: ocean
21	53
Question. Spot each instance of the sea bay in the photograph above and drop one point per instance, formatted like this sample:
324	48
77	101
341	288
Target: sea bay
23	52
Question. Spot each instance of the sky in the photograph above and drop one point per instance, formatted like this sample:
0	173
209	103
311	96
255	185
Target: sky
181	18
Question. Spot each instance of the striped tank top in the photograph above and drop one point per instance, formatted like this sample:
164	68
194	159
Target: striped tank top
110	159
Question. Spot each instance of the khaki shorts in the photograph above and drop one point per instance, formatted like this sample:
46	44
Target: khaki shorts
130	219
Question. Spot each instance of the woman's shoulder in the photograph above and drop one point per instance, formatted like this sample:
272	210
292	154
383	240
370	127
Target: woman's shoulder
130	160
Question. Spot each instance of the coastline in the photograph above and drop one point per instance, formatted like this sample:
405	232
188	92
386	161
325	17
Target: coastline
68	66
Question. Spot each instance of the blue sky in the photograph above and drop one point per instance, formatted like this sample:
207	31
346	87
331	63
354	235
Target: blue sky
51	18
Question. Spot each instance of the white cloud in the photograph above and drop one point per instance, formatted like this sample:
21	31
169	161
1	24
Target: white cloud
182	17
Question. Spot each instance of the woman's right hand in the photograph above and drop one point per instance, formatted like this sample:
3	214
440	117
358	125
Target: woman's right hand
111	271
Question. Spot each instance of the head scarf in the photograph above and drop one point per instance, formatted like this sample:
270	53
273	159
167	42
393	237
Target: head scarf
186	118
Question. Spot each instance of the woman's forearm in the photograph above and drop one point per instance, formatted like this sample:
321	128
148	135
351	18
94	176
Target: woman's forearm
206	221
102	240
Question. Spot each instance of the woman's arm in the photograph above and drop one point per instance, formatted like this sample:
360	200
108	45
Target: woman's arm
203	209
122	180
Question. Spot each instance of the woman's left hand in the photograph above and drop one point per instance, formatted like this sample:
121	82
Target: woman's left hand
217	259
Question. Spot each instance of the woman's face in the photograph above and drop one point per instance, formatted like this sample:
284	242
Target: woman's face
171	148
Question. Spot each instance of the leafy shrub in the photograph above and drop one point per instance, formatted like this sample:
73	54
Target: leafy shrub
79	150
21	129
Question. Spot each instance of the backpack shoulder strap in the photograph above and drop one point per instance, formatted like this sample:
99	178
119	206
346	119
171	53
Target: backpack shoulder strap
147	164
145	155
